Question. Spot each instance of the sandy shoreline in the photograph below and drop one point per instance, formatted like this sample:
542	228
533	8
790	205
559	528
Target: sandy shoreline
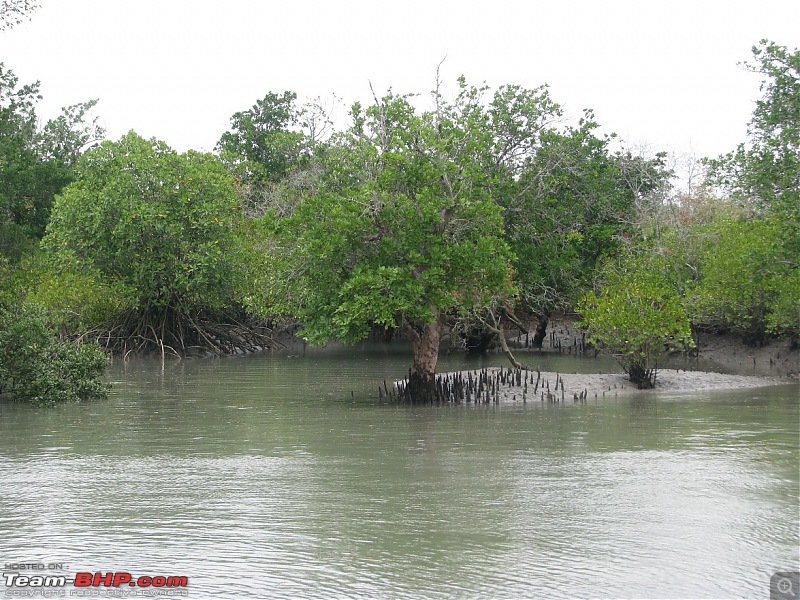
575	386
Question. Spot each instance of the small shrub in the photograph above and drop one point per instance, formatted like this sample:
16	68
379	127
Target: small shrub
638	317
38	367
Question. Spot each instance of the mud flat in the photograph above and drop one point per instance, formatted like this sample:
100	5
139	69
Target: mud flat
508	385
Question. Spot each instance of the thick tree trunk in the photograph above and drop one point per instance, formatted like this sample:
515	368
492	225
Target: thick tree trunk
541	330
422	376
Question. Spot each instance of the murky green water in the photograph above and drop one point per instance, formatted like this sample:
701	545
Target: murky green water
284	477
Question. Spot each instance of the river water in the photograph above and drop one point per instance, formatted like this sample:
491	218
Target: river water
283	476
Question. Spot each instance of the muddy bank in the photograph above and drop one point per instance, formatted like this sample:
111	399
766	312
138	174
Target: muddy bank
722	362
502	385
599	385
723	353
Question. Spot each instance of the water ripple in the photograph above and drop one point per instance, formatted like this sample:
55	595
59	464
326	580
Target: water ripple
251	480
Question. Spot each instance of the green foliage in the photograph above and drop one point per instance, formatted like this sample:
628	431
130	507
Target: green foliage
403	228
764	172
568	202
743	263
34	163
735	260
263	149
263	139
638	316
66	137
748	279
162	232
783	317
15	242
162	224
27	183
27	189
38	367
75	296
270	147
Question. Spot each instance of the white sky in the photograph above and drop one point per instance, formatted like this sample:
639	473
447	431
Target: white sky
660	73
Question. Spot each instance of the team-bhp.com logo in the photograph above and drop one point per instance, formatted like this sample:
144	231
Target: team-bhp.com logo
27	582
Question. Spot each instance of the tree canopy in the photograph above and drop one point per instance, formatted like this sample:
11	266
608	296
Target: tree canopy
570	203
403	229
35	163
163	225
764	171
760	258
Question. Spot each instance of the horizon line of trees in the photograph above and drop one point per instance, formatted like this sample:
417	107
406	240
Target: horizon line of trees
453	218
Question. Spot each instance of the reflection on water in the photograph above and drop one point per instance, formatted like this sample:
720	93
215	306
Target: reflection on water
283	476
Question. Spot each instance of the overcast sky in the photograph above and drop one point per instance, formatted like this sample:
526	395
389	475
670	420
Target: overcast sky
660	73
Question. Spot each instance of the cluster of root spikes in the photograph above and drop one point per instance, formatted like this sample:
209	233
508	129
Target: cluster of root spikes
485	386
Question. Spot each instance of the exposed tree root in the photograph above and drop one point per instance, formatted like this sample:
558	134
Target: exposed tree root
170	332
643	376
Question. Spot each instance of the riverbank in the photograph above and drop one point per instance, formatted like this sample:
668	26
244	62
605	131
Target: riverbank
721	353
722	362
504	386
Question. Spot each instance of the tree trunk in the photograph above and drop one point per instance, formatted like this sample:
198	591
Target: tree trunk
541	330
422	376
497	330
642	376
